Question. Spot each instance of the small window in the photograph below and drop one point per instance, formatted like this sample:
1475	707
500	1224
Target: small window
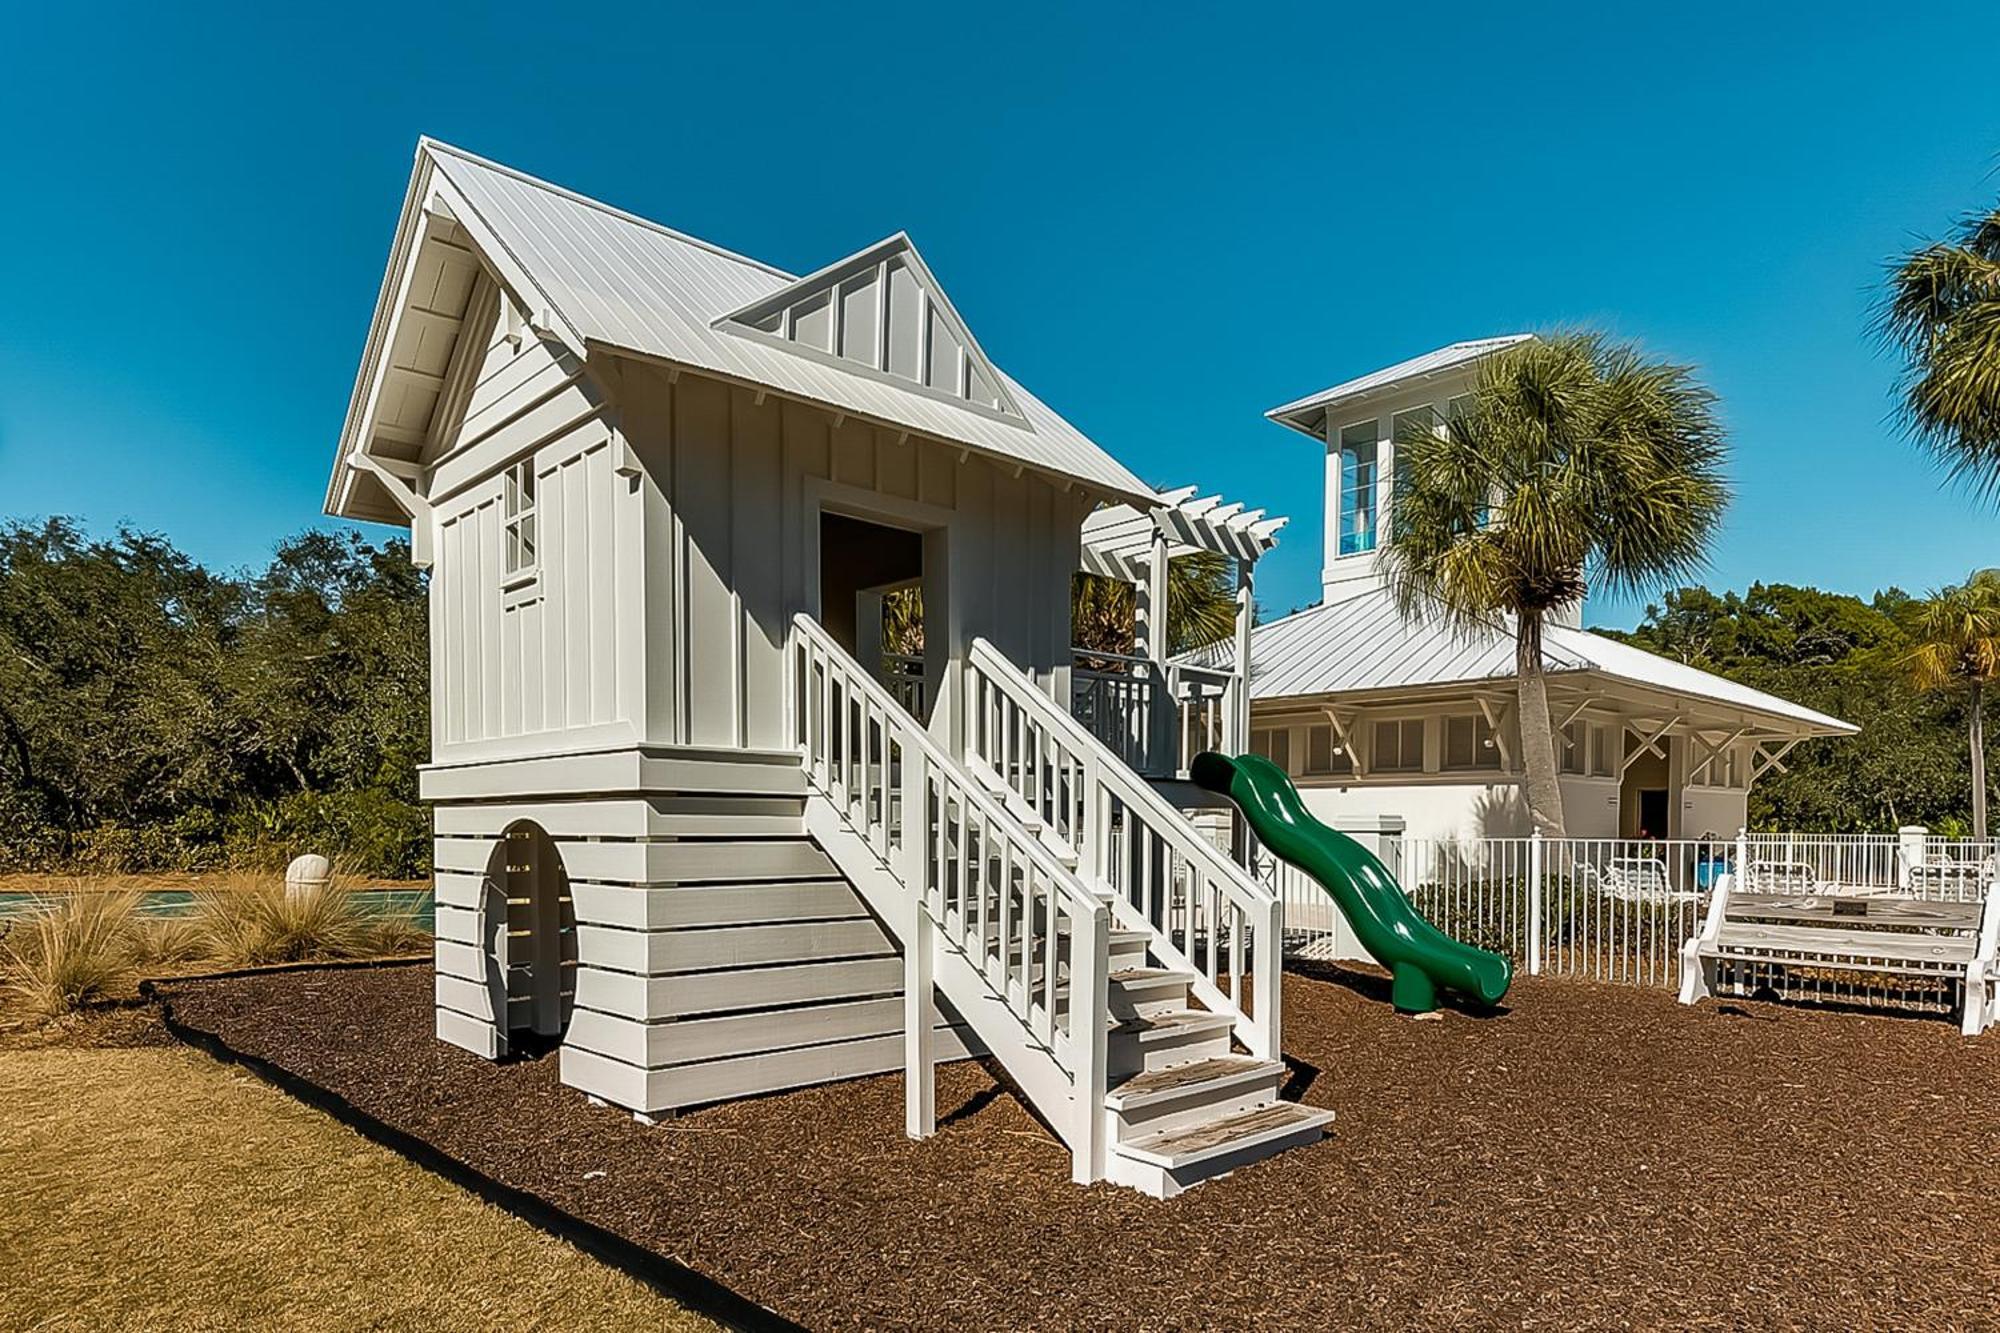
1469	744
1574	747
1326	755
1399	746
1602	764
1357	488
518	520
1275	745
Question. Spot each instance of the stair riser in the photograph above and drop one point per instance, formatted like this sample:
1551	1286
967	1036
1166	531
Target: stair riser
1129	1056
1163	1183
1197	1106
1127	955
1145	1000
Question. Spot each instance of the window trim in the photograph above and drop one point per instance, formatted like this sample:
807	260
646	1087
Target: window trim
517	479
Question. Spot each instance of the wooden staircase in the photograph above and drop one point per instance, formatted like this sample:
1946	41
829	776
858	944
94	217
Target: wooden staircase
1122	970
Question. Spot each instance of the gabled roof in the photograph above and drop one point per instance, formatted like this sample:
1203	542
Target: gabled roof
594	277
1363	644
1307	414
882	311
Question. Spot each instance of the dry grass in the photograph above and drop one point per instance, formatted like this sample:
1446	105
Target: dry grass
149	1189
70	950
250	920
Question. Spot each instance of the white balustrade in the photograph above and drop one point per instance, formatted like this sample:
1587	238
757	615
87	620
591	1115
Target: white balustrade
1205	911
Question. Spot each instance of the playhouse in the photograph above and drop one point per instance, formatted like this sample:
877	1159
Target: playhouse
695	823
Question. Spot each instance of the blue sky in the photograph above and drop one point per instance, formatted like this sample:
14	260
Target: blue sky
1164	220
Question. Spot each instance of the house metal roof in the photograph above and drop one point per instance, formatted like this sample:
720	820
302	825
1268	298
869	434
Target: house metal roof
1303	414
1363	644
598	276
1118	539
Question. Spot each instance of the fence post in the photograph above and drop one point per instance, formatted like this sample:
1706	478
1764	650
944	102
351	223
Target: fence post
1742	866
1537	858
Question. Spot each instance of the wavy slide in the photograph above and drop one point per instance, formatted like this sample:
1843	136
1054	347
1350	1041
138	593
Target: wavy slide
1420	957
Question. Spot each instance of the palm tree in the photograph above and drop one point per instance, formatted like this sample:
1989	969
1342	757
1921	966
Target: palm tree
1942	311
1958	647
1201	608
1577	462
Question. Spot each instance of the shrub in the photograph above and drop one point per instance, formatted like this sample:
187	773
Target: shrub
167	941
250	920
70	949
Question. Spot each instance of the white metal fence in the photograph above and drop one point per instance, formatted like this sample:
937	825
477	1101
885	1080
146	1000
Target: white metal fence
1619	910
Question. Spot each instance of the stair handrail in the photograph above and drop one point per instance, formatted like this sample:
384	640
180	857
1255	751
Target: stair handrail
876	800
1084	818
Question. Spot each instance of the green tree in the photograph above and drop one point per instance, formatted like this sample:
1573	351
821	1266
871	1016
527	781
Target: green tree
1578	461
1942	313
1958	648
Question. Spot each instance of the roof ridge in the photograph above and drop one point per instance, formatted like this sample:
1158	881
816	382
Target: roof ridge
574	196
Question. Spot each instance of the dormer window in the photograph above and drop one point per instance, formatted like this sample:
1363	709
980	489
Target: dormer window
1358	444
517	508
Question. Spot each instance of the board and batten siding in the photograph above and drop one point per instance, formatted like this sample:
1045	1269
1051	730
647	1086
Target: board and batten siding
676	545
733	487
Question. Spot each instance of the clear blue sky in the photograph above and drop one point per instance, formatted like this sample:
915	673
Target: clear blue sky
1163	220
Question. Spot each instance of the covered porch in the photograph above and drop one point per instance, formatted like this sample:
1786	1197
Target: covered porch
1155	712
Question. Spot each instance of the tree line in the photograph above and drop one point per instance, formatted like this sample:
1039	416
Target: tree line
157	715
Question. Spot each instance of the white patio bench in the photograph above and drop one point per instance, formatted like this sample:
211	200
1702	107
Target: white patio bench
1888	952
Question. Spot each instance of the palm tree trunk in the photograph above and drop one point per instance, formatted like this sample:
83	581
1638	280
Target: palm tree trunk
1538	745
1976	729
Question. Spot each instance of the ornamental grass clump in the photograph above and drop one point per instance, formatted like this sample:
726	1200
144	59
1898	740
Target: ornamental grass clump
252	921
69	950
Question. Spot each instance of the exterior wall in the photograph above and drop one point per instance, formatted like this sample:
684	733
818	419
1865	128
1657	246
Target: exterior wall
677	535
1713	810
718	951
1491	809
731	493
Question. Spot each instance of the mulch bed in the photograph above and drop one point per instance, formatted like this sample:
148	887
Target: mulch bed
1596	1157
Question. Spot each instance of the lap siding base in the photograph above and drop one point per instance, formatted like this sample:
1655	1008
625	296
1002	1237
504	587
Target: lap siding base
719	952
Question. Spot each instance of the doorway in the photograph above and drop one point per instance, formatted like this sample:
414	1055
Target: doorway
873	580
1644	810
529	934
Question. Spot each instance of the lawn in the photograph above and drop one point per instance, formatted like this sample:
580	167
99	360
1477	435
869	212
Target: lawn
1596	1156
150	1187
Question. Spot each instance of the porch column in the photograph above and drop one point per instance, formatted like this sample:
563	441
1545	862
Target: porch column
1161	717
1236	716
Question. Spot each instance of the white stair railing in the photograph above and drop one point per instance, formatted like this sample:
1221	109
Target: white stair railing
994	891
1207	913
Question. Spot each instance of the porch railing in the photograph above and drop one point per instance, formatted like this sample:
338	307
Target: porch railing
1618	910
903	675
1154	717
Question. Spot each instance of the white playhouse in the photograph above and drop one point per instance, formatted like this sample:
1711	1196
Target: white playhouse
693	822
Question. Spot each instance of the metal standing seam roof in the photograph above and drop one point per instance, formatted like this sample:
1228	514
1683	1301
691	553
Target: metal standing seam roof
1430	363
632	285
1363	643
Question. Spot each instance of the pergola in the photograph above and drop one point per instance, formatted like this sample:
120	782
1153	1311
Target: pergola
1136	546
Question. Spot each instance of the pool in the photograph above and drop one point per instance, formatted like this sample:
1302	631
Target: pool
418	903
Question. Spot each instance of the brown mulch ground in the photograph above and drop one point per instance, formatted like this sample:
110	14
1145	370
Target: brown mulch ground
1597	1157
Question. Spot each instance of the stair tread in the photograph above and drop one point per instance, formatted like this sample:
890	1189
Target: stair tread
1179	1079
1132	975
1173	1020
1172	1148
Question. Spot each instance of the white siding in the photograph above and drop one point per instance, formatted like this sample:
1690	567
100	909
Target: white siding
731	489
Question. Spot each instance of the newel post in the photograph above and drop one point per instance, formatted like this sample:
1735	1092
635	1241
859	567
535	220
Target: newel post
919	1028
1537	866
1090	1038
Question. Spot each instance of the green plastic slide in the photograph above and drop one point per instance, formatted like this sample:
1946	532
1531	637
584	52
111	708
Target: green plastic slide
1420	957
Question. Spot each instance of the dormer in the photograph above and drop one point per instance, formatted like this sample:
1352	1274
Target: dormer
1358	422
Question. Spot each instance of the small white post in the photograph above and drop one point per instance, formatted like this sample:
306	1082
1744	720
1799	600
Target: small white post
1911	848
919	1029
1742	866
1537	858
1236	721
